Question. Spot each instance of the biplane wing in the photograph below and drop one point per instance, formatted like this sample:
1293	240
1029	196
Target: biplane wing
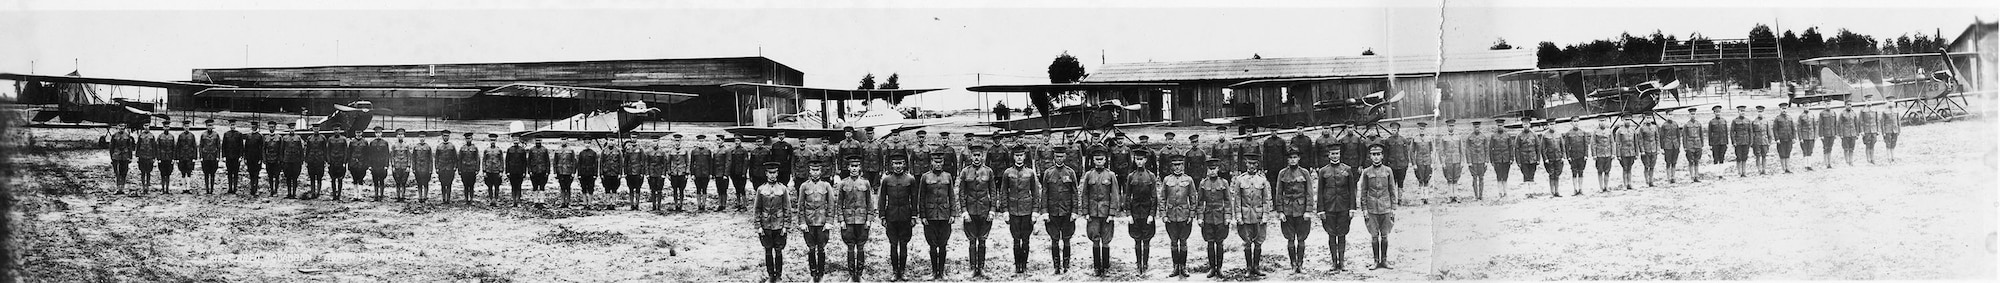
1316	128
588	93
894	96
1010	133
1580	118
1557	73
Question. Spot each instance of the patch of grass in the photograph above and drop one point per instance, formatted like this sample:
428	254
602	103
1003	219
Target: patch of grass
544	213
564	235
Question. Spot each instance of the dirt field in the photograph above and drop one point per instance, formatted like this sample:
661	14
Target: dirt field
1927	216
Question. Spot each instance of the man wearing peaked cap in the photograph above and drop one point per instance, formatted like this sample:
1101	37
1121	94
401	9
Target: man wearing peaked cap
1060	202
1216	210
1377	198
1021	189
900	203
1253	199
1293	203
978	197
775	215
1101	199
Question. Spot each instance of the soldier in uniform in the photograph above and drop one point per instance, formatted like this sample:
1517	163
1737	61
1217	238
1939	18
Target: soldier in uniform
211	155
1422	151
1253	202
1179	201
422	160
121	151
1451	152
1333	193
358	155
379	155
315	162
444	158
187	150
1060	198
399	165
1669	136
538	172
1649	149
143	150
516	162
335	157
647	165
1273	149
1501	151
1142	202
1830	131
295	157
816	210
1477	155
1527	155
1603	144
1718	136
1377	198
253	155
855	205
1217	209
1760	140
774	217
781	151
1740	131
900	201
1625	142
702	165
674	161
1864	124
168	153
1808	132
734	162
979	197
611	168
1692	136
940	206
1892	125
1553	155
563	164
1399	158
1023	195
1785	130
1102	201
587	169
492	162
468	168
1294	204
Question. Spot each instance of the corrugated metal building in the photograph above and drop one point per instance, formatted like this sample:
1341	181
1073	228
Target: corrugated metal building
1978	70
498	90
1465	85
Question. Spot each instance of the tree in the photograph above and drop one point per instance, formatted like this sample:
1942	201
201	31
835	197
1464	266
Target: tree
1547	55
1756	74
891	83
1369	52
867	82
1065	69
1500	44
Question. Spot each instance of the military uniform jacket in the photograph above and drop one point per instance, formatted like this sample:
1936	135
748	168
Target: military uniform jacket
1475	149
1310	153
1059	191
1421	152
1181	200
1740	131
735	161
1120	159
1527	149
211	145
1624	142
1552	145
445	156
400	155
919	155
677	158
702	161
516	160
1396	153
877	157
1760	131
815	201
656	162
421	156
185	146
1142	192
1864	122
1829	125
1216	203
336	150
1647	141
1378	194
773	206
1336	187
1601	143
1808	127
564	162
856	203
586	162
232	144
899	196
1692	136
469	158
1273	151
1784	128
1253	197
1223	152
378	153
315	149
997	157
295	149
1669	135
1576	144
492	160
1890	122
1356	149
1100	193
357	152
1023	196
1450	150
1718	132
122	146
142	146
611	161
538	160
253	147
1294	192
1499	148
975	183
937	195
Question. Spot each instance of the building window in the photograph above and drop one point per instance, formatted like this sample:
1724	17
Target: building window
1285	95
1228	96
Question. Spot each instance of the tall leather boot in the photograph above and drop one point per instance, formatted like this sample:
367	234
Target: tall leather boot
1179	253
1103	260
1339	245
897	259
1214	260
1020	256
1295	255
978	259
1383	256
1056	257
1250	258
778	269
937	264
1143	252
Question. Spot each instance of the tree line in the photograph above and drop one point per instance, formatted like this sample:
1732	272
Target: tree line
1750	74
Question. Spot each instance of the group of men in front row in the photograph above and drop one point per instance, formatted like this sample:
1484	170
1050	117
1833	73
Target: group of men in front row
959	182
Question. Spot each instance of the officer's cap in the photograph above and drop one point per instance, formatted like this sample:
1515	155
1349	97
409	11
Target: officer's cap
1095	152
1214	162
1740	107
468	135
815	163
771	165
1060	149
1475	123
897	157
1141	152
399	130
1252	154
1760	107
976	147
852	158
492	135
1423	124
208	121
1375	148
1018	148
1177	159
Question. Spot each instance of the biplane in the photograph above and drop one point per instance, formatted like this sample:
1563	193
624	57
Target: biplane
1364	114
1621	92
75	99
878	112
1110	111
1925	85
360	109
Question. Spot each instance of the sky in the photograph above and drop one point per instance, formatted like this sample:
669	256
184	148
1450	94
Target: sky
930	44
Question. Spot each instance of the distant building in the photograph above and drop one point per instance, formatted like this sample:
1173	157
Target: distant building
538	90
1978	70
1465	85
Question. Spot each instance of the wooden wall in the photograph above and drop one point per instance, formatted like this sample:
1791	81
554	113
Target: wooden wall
1465	95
